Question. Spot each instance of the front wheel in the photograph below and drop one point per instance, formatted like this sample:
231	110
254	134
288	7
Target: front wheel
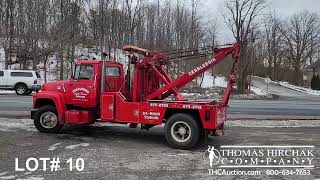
46	120
182	131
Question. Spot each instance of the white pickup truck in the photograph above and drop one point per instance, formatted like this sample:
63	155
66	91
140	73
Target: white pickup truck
22	81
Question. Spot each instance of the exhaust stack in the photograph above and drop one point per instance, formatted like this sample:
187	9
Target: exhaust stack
103	72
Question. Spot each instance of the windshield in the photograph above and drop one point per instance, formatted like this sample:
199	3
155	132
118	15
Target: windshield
83	72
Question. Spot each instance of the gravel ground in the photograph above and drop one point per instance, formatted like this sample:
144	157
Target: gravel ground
113	151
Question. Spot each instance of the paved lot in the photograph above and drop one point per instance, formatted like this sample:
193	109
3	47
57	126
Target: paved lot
116	152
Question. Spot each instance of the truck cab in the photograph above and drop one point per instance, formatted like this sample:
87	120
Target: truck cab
83	89
77	100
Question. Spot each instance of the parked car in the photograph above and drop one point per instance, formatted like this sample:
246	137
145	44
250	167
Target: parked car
24	82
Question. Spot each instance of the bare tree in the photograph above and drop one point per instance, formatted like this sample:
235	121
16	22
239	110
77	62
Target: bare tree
301	36
274	44
241	18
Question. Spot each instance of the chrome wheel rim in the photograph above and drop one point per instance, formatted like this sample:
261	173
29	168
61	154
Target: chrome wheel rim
48	120
21	90
180	131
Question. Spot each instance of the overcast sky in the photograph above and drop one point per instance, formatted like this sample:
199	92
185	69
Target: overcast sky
285	8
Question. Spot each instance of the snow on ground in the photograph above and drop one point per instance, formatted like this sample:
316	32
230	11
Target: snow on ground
7	92
258	91
14	124
77	145
293	87
8	177
211	81
220	81
300	89
31	178
54	146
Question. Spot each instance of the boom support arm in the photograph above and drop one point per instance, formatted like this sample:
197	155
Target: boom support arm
166	90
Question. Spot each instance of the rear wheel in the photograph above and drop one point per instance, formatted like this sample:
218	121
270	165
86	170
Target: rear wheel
46	120
182	131
21	89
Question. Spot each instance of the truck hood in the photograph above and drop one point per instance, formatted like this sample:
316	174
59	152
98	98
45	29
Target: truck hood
55	86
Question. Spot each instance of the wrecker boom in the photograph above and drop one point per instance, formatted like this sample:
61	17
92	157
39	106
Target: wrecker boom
153	61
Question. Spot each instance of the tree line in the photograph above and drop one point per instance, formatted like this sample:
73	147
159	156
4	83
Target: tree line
34	30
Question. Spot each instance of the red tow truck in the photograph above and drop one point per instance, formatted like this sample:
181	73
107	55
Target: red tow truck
99	90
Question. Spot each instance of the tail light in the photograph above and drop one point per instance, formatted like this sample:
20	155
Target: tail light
35	82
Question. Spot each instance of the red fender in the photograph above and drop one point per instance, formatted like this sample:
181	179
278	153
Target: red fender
58	100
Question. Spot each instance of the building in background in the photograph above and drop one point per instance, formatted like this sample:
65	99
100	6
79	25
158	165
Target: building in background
310	71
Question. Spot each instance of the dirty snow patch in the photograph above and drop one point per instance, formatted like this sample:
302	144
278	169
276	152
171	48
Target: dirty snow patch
54	146
7	177
77	145
7	124
274	123
31	178
3	173
6	130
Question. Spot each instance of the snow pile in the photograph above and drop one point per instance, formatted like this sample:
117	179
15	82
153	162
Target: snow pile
211	81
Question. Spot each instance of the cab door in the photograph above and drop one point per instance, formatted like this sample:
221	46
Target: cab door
82	91
114	78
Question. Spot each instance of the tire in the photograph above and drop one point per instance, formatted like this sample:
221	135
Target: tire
46	120
182	131
21	89
29	92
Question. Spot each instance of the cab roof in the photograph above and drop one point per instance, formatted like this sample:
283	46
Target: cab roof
95	61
